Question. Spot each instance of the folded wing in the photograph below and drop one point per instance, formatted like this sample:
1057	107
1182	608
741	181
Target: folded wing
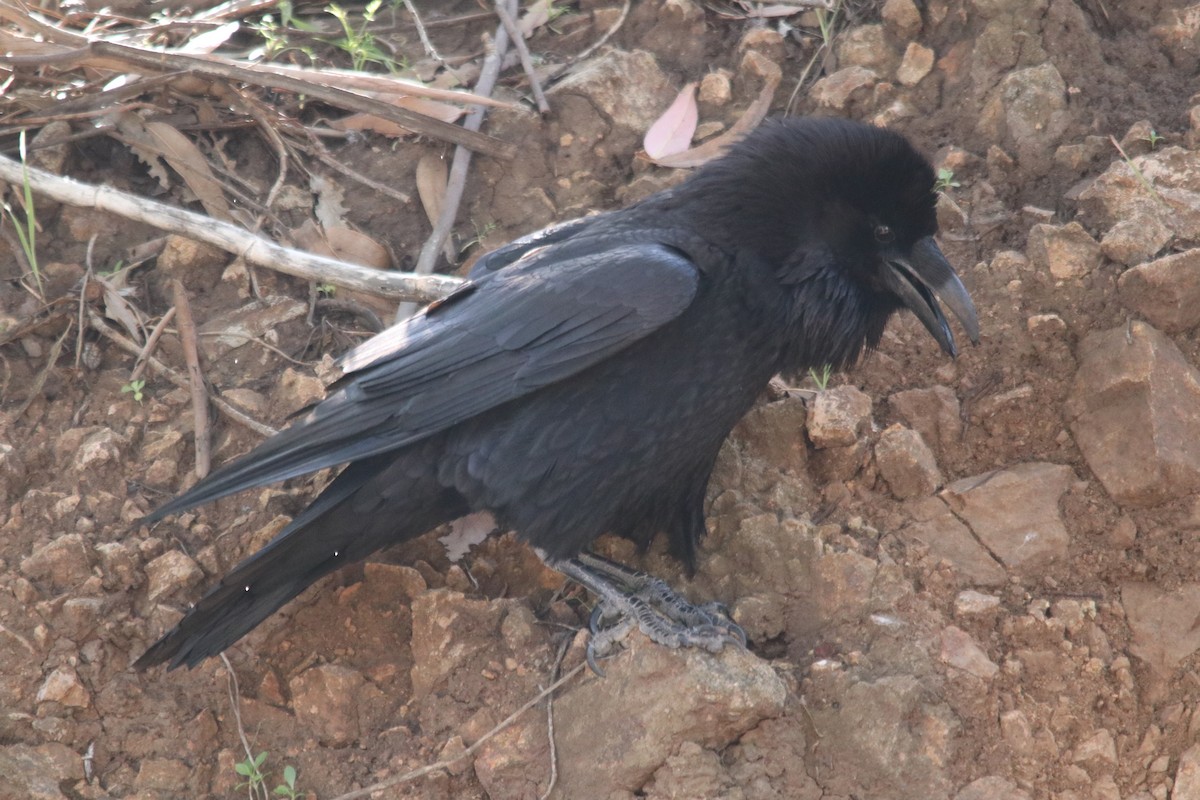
508	334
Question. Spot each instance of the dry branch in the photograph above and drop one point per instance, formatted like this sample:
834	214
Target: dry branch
230	238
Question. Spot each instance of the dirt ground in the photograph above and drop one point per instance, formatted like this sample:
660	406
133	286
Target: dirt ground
885	660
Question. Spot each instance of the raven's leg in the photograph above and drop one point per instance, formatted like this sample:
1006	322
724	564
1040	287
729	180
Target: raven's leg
627	597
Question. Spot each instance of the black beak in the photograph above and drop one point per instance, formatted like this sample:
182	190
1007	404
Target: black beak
920	279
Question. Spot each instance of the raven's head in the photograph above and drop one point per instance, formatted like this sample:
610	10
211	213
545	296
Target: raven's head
845	213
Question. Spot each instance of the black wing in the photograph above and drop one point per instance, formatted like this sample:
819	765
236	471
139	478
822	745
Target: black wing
509	334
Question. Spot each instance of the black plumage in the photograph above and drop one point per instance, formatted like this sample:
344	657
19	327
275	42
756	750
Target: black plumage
584	379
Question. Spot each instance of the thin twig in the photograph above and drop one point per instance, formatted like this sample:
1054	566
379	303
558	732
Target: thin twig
139	366
562	653
430	50
129	346
235	704
470	751
230	238
191	355
318	149
518	40
596	45
36	389
456	184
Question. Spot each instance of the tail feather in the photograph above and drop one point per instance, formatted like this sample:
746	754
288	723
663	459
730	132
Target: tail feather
358	513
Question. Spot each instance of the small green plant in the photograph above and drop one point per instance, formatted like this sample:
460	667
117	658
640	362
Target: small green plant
326	289
27	234
826	21
1154	139
277	36
255	782
945	180
359	43
251	769
288	787
135	388
821	379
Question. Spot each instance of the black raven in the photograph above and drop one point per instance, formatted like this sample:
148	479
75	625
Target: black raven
585	377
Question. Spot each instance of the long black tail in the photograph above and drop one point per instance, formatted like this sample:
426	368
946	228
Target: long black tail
373	503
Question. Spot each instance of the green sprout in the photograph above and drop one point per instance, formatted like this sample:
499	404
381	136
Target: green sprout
135	388
27	233
326	289
1154	139
945	180
821	379
360	43
251	769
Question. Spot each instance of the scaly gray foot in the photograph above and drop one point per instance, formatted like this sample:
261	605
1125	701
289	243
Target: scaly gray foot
627	597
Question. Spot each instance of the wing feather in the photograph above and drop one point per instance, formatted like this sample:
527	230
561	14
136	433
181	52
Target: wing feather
513	332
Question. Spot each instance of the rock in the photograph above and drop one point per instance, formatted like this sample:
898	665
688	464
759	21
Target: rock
970	603
866	46
65	562
1015	512
716	90
197	264
161	774
241	326
837	90
171	572
449	630
773	433
991	787
1132	241
652	701
1099	747
1187	775
938	529
12	473
1029	112
99	448
326	699
39	773
692	772
886	739
1178	32
839	417
916	64
1162	623
960	651
934	413
769	762
298	390
901	18
1172	197
63	686
1134	410
1067	251
906	463
628	89
1017	732
1166	291
118	566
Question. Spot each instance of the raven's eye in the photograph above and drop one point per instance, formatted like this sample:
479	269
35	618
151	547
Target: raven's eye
884	234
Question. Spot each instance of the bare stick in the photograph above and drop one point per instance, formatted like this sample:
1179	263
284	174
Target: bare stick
230	238
518	41
126	344
191	355
139	366
438	765
456	184
562	653
430	50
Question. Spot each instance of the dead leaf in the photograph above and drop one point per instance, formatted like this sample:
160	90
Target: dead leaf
537	15
207	42
117	308
432	174
753	115
330	210
151	141
466	532
342	243
384	127
672	132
